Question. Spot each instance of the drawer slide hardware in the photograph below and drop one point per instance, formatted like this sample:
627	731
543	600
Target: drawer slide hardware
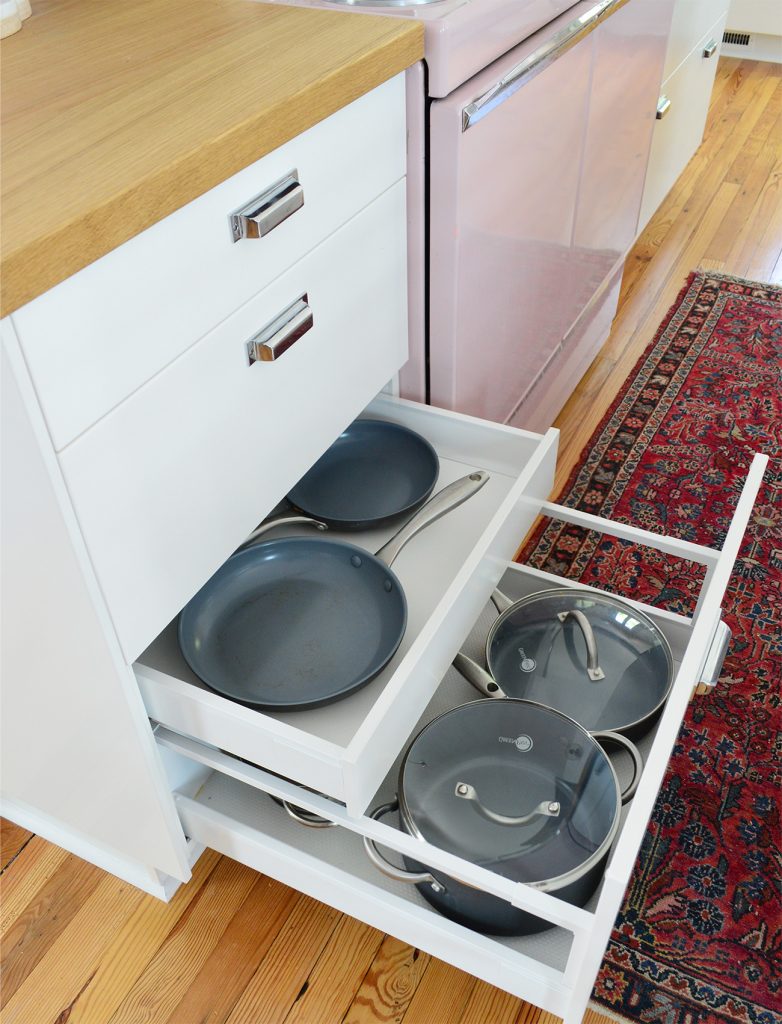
663	106
714	660
279	334
263	213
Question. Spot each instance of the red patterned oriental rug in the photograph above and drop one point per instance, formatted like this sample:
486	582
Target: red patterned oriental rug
699	938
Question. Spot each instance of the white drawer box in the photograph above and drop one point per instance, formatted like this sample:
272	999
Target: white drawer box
223	804
447	572
679	133
691	20
97	337
172	481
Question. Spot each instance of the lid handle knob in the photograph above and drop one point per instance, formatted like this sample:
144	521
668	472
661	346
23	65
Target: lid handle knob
545	809
594	671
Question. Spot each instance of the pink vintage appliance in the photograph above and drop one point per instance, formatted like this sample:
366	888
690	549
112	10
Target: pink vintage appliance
530	129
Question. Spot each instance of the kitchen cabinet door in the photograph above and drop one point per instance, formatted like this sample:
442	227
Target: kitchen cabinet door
629	52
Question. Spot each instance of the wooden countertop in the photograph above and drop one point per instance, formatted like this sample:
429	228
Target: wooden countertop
115	114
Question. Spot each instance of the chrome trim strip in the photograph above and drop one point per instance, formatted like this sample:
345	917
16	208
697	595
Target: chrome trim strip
538	60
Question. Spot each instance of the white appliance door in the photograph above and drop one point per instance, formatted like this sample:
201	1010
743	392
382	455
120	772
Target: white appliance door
536	172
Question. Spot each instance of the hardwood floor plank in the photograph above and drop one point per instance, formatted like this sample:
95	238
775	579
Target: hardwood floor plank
487	1003
134	946
218	985
338	974
442	995
284	970
43	920
49	992
31	870
13	839
187	947
389	985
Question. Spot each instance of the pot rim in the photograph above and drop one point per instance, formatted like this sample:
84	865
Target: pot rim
544	884
606	599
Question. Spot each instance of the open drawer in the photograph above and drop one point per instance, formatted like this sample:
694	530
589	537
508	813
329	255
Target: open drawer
346	748
224	804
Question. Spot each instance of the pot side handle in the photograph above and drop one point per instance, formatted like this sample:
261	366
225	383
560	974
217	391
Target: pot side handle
389	869
638	762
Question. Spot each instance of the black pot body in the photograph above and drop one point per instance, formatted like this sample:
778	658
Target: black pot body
491	915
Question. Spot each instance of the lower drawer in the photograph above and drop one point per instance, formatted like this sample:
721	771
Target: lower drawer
678	134
224	804
185	468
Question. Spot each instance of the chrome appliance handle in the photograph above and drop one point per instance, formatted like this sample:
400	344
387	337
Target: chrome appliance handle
594	671
389	869
263	213
714	660
448	498
538	60
280	333
545	809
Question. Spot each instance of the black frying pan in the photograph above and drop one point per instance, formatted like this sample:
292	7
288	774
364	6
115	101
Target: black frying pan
299	622
374	472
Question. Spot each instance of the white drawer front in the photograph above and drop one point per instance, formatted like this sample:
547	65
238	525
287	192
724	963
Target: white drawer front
169	483
691	20
678	134
95	338
346	748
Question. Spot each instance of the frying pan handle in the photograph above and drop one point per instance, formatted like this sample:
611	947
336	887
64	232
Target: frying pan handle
477	676
285	519
389	869
448	498
545	809
594	671
501	602
619	740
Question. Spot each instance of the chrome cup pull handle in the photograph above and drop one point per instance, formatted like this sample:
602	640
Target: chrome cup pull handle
594	671
279	334
545	809
269	209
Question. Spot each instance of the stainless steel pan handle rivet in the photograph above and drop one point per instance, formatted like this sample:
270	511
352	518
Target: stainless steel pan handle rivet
545	809
594	671
264	212
280	333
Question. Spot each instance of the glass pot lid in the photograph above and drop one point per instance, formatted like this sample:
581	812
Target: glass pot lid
591	656
512	786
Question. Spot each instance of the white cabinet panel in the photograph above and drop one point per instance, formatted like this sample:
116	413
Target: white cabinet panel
173	480
78	761
691	20
97	337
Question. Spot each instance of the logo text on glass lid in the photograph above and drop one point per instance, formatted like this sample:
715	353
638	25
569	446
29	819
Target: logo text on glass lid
522	743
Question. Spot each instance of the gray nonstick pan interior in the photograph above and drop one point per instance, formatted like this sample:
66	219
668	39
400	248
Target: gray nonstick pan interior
374	472
294	623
